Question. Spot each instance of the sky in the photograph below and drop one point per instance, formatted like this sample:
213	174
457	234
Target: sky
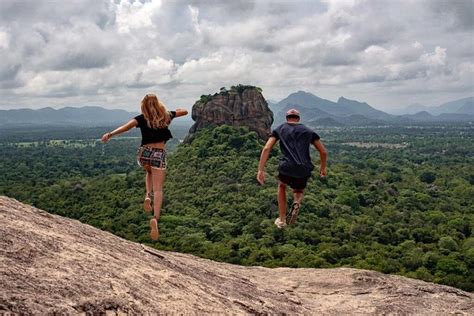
110	53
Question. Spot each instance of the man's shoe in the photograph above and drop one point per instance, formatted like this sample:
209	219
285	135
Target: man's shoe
293	213
279	223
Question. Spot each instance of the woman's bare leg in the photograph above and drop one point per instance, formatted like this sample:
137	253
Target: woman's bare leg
158	176
149	188
148	182
158	179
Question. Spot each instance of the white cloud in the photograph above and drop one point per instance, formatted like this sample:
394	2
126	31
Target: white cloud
87	52
158	71
436	59
4	40
134	16
222	66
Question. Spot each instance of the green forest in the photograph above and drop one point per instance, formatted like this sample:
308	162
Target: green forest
397	199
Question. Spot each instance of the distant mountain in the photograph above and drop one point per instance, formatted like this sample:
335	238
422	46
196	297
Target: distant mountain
445	117
322	112
363	109
422	116
455	117
325	122
271	103
306	102
467	108
411	109
83	116
461	106
316	109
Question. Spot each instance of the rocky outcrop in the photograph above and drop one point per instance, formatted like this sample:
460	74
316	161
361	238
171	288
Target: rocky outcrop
239	106
55	265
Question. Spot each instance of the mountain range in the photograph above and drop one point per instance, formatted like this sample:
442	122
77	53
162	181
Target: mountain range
314	110
84	116
461	106
317	111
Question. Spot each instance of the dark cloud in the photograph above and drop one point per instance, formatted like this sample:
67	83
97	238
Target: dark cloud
80	60
12	10
9	71
8	76
338	58
222	10
28	12
82	46
460	13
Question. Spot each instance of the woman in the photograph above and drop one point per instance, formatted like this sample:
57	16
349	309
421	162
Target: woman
153	124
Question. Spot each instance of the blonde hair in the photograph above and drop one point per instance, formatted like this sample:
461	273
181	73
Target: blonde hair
155	112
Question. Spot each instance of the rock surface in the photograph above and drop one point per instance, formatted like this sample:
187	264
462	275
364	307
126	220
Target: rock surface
235	108
51	264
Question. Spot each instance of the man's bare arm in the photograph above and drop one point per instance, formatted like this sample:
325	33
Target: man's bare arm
263	159
323	154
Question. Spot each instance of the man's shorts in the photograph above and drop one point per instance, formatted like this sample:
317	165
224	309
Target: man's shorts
297	184
151	157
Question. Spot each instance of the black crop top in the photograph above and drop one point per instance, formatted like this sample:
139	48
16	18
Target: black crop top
153	135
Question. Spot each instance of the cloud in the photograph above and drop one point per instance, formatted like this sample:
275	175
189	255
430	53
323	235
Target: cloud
4	40
83	46
158	71
136	15
94	51
101	13
9	71
458	14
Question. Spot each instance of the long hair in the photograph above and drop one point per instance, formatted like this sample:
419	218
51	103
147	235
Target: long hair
155	112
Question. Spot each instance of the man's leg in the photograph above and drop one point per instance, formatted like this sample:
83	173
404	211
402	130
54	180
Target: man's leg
298	196
282	201
298	189
298	186
295	207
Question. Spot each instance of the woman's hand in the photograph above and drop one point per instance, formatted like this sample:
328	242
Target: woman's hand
181	112
106	137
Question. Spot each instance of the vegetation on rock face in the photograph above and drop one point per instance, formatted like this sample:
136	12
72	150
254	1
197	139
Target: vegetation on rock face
406	210
240	88
205	98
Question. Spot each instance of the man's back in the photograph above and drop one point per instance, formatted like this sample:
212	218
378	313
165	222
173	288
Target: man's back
295	165
295	140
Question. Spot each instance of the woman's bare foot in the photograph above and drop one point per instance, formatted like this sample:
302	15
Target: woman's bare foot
154	233
147	204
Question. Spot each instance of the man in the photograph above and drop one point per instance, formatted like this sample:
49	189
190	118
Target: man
295	165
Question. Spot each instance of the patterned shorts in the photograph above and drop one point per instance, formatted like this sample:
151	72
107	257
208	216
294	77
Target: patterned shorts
152	157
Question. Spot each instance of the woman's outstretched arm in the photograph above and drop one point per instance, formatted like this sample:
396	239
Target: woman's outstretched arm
181	112
122	129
